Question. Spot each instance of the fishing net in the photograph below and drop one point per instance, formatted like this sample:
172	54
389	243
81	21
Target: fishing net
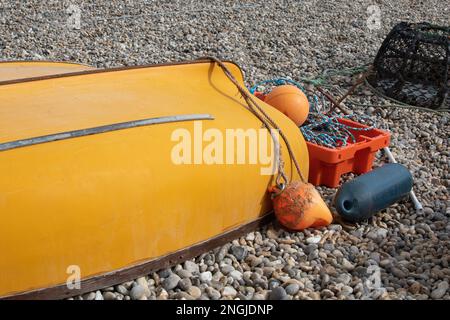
412	65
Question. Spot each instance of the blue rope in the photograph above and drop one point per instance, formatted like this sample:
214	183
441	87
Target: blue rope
313	100
319	128
328	131
277	82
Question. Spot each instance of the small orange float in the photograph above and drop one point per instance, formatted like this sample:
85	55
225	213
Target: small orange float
300	206
291	101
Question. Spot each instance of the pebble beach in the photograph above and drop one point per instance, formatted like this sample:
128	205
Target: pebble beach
400	253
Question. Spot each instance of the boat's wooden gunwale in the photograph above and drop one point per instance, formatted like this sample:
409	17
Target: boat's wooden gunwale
126	274
25	69
47	61
115	69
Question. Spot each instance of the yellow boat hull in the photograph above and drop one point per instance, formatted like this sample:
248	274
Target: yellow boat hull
114	200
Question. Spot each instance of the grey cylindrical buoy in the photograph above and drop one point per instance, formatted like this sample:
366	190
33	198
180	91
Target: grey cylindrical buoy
360	198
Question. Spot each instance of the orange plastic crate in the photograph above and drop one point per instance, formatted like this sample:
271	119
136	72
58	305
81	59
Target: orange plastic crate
326	165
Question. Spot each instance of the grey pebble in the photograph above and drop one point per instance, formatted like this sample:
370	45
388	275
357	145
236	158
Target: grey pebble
137	292
292	289
109	295
239	252
229	291
213	293
171	282
278	293
165	273
121	289
206	276
191	267
98	295
185	284
440	290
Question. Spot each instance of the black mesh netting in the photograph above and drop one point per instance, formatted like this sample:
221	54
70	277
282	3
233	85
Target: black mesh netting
412	65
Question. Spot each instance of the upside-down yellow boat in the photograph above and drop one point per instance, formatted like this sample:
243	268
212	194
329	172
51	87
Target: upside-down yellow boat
89	185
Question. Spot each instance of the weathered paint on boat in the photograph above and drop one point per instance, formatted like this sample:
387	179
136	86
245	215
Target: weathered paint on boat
115	200
14	70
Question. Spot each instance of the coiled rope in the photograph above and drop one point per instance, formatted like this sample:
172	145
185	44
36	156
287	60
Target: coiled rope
321	128
268	122
329	132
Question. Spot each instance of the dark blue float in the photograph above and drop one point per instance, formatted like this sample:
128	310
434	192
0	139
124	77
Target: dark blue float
359	199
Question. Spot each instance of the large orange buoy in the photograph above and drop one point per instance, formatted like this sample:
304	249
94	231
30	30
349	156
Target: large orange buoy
300	206
291	101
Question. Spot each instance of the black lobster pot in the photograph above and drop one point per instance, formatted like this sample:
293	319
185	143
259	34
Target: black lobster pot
412	65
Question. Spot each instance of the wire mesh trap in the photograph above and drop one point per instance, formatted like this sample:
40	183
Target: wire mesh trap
412	65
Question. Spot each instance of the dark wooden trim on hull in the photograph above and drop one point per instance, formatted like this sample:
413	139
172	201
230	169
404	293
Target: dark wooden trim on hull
115	69
136	271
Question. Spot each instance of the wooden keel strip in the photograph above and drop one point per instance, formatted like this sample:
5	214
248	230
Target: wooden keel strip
136	271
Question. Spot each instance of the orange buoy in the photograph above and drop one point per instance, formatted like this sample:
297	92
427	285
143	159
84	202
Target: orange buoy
300	206
291	101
